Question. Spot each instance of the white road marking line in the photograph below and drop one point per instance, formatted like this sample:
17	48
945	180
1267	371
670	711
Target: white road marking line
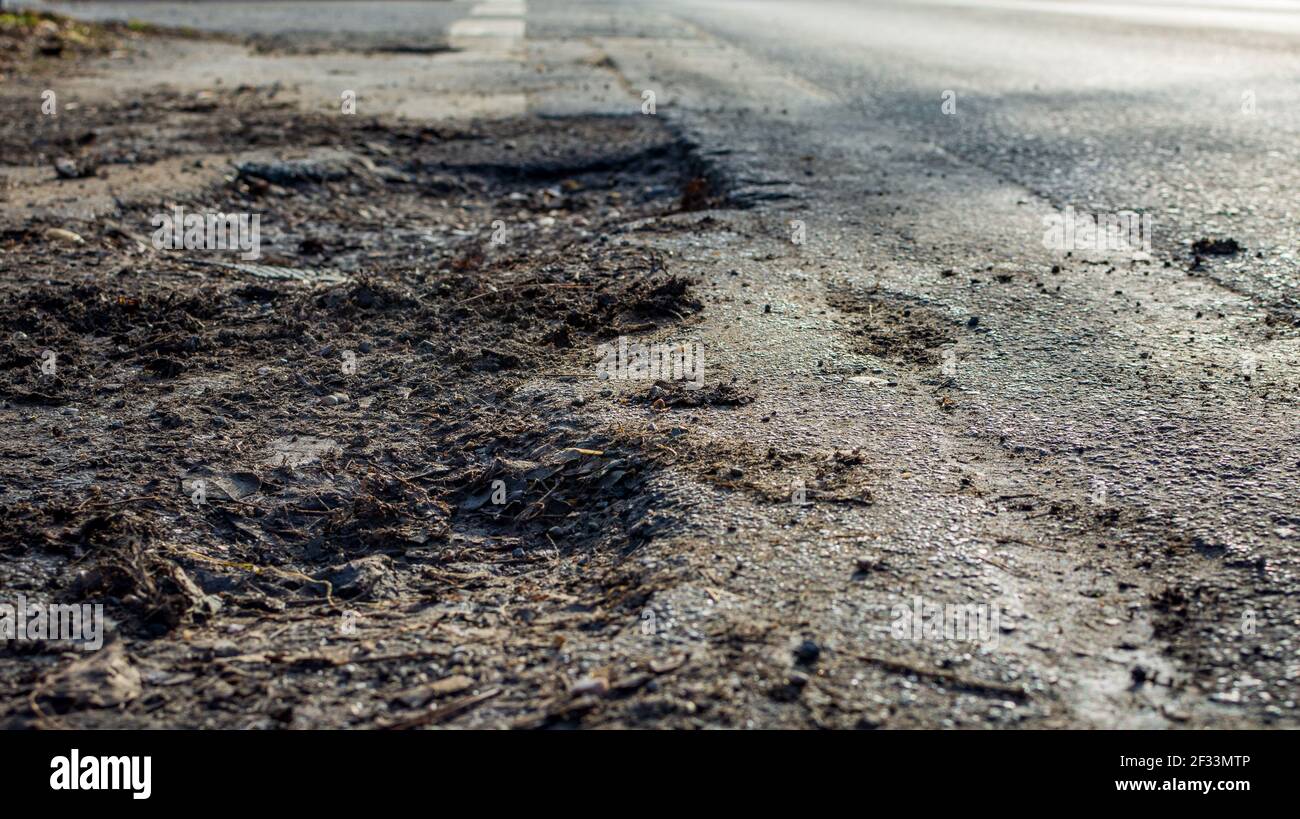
488	27
498	8
495	24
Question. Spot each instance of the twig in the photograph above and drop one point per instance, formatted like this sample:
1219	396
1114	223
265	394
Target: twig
118	502
285	573
443	713
518	286
946	677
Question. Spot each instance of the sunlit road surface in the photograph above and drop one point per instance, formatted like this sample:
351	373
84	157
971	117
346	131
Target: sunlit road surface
1187	112
927	148
1108	439
1247	15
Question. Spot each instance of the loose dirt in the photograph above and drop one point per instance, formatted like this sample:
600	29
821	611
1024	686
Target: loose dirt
327	461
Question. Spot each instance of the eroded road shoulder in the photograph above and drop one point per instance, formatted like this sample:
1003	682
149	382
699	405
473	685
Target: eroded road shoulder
655	409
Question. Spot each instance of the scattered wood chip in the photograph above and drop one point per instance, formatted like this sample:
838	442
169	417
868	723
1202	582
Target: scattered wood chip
665	664
66	236
443	713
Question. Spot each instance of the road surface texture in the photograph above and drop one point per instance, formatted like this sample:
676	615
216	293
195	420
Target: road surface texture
1101	452
943	470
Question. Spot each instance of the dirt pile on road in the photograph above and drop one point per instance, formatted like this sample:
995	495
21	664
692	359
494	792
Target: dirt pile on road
344	433
35	41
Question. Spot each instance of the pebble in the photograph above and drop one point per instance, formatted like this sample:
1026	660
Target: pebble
61	235
590	685
807	652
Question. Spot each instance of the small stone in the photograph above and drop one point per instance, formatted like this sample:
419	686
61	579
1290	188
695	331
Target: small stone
870	380
598	686
66	236
807	652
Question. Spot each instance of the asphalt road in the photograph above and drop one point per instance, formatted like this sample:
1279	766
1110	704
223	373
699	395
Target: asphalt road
1186	111
1117	439
1103	447
405	24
